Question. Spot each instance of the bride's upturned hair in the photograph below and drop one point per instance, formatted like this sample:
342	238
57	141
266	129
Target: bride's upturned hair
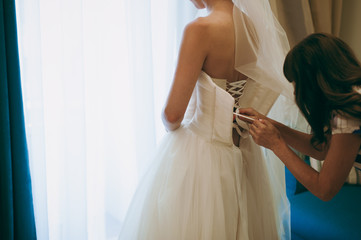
325	72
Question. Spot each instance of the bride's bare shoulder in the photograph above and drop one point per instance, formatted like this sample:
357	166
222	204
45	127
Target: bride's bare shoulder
200	25
197	32
209	26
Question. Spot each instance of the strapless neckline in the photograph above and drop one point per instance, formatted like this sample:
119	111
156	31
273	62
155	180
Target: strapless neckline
224	79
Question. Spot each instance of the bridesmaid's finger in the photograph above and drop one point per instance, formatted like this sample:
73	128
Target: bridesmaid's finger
245	110
265	122
257	123
256	131
253	127
253	134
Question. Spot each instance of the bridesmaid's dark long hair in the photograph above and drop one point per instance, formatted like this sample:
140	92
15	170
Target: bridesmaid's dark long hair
324	71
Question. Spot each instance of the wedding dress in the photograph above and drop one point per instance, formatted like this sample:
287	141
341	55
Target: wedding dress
200	185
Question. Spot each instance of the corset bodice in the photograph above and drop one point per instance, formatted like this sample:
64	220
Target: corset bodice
210	112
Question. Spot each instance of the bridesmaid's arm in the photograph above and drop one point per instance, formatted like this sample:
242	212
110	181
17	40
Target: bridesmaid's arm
298	140
192	54
342	152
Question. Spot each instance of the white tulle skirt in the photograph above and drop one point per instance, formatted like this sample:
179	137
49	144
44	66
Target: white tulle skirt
198	190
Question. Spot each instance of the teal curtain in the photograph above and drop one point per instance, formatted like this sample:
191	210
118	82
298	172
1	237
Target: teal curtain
16	204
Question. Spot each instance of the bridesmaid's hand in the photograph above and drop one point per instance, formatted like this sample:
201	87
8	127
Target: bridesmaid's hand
265	134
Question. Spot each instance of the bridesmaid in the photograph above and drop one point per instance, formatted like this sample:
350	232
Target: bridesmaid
327	82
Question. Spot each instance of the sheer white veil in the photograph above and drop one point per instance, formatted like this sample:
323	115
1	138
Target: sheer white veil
261	47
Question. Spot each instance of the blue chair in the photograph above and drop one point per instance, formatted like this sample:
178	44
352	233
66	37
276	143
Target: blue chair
314	219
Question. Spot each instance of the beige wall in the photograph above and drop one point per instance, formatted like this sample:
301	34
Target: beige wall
351	25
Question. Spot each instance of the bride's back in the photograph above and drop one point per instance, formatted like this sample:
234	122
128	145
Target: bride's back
221	39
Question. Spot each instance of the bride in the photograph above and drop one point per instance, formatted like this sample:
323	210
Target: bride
209	180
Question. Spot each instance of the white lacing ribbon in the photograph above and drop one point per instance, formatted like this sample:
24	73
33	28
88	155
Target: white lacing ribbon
236	90
241	127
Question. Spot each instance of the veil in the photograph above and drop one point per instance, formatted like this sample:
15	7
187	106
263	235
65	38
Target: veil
261	47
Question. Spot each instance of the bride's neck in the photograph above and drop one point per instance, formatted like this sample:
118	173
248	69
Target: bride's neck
219	5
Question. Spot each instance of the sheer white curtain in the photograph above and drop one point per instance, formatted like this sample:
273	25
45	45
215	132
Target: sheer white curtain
95	76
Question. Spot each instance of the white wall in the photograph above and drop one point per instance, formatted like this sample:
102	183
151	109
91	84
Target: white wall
351	25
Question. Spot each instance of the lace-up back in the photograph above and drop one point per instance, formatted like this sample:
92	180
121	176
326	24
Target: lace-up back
235	89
